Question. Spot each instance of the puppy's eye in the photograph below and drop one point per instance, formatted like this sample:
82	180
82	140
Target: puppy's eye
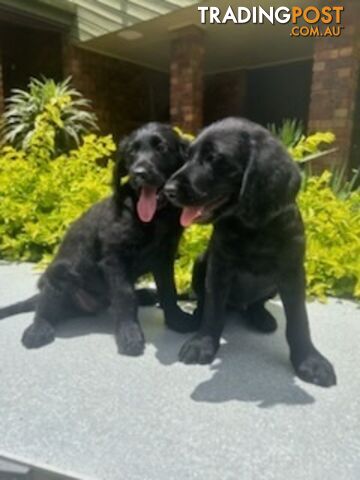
158	144
135	146
161	147
211	157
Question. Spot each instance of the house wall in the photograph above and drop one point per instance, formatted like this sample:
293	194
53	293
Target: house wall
187	78
1	83
124	95
265	95
354	160
335	89
225	95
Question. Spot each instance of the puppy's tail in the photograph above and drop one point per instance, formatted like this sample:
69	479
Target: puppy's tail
28	305
147	297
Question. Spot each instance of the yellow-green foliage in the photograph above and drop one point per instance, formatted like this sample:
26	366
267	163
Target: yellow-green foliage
193	243
308	146
40	197
57	104
333	239
186	136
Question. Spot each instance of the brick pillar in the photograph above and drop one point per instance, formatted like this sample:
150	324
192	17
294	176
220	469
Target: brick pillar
335	85
71	63
2	103
186	78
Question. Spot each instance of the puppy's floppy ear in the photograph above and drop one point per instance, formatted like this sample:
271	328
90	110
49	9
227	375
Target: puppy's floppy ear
120	170
184	145
270	182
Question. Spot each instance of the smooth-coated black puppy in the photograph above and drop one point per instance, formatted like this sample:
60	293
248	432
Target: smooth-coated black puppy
239	177
133	232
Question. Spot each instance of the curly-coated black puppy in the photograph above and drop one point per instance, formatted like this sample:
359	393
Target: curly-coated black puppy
131	233
239	177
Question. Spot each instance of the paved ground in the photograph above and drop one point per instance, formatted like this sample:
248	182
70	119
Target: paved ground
78	406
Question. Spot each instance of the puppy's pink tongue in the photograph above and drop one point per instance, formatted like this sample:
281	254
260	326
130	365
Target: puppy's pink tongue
146	205
190	214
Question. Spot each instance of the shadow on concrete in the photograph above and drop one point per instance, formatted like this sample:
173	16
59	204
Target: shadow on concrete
86	325
258	374
250	366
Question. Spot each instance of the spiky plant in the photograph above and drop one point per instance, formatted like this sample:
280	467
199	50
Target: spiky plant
289	132
69	112
343	182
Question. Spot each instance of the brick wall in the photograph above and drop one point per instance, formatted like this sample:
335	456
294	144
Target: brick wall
335	85
225	95
1	83
124	95
186	79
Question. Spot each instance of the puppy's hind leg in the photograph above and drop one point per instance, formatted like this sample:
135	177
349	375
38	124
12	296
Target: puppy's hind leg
259	318
52	305
42	330
248	297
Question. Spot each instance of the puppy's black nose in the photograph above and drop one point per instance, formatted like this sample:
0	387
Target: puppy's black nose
170	190
139	172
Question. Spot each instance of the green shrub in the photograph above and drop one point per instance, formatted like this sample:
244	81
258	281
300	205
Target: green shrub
333	238
343	184
41	196
63	106
290	132
41	193
302	148
312	147
193	243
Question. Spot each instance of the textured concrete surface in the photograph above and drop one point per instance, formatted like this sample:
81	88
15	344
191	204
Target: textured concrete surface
78	406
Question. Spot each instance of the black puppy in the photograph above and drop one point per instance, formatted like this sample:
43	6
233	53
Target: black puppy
239	177
133	232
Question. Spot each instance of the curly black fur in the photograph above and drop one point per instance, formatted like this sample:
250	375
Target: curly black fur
109	247
239	177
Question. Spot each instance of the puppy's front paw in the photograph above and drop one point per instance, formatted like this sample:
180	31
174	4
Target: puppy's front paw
40	333
316	369
130	339
182	322
199	349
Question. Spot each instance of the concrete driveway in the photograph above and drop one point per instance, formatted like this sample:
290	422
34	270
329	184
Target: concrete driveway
76	406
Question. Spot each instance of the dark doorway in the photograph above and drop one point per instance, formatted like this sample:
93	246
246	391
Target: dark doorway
279	92
28	52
